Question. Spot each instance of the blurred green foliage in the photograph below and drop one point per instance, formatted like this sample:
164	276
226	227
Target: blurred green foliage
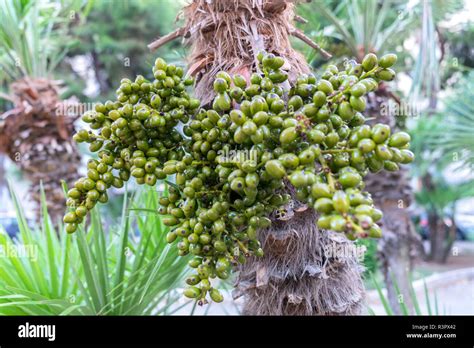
115	40
353	28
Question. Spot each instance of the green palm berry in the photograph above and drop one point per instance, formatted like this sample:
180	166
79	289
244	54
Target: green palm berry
388	60
350	179
357	103
386	74
319	190
399	139
340	201
366	145
306	156
383	152
369	62
192	292
380	133
288	135
390	166
70	217
337	223
319	98
71	227
375	231
407	156
324	222
275	169
324	205
325	86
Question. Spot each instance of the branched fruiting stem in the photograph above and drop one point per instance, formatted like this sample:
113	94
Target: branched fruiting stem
200	163
337	151
327	170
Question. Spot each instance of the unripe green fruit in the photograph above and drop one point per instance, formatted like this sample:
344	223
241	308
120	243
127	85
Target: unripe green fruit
249	127
350	179
377	214
288	135
407	156
337	223
70	217
289	160
194	263
340	202
216	296
239	81
319	190
399	139
325	86
222	102
386	74
324	222
369	62
220	85
224	75
324	205
388	60
319	98
295	102
380	133
237	117
71	227
81	211
306	157
192	292
366	145
390	166
275	169
171	237
358	90
375	231
298	179
358	104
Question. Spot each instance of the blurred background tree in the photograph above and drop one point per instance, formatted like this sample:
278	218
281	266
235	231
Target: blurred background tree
36	130
113	43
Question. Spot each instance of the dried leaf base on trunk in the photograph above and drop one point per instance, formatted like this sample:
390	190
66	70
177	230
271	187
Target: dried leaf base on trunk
36	135
295	277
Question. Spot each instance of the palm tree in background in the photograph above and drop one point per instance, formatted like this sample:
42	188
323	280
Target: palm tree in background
36	132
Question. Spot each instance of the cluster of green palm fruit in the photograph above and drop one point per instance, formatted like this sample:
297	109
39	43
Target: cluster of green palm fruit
132	136
312	136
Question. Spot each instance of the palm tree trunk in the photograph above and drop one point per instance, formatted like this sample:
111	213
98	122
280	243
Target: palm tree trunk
297	275
37	137
393	194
